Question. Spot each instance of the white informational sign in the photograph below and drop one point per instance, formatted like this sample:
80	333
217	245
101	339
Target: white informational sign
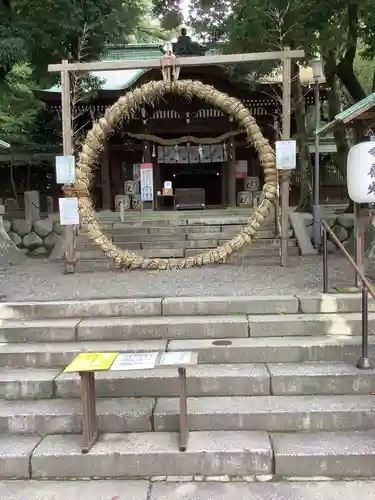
176	358
65	169
68	208
286	155
241	169
147	182
135	361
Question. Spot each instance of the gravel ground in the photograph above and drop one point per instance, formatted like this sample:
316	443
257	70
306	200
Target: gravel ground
43	280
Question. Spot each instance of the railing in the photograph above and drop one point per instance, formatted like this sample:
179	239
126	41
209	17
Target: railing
364	362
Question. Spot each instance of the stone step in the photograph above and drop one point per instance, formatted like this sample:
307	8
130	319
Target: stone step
223	380
60	354
163	327
78	490
184	306
283	490
69	309
172	488
278	379
309	324
154	454
180	233
136	328
64	416
340	454
168	253
176	245
211	351
269	413
330	454
184	327
257	413
275	349
248	253
27	383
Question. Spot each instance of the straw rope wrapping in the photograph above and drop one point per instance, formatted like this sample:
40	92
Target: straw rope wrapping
124	109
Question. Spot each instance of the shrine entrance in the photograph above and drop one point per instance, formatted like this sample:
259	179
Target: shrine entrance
197	176
152	93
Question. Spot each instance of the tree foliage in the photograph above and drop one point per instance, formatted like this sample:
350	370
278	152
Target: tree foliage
19	108
49	31
34	33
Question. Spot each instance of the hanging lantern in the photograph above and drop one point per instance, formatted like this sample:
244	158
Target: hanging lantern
153	151
361	172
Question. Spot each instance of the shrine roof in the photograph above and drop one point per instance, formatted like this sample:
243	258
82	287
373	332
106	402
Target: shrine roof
357	111
122	80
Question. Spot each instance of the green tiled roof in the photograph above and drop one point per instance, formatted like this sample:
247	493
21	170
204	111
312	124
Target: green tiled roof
349	114
118	80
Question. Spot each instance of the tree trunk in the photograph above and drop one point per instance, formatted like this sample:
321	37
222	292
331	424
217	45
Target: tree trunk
350	81
305	200
334	108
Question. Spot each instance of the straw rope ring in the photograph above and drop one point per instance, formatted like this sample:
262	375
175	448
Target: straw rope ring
125	109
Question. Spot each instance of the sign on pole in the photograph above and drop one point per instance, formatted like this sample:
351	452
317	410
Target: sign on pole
147	182
286	155
65	169
68	208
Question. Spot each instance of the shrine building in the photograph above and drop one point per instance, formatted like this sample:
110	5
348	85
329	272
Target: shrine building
195	150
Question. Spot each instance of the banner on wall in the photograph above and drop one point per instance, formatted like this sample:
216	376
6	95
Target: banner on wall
241	169
147	182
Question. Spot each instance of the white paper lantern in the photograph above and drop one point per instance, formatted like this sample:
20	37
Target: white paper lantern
361	172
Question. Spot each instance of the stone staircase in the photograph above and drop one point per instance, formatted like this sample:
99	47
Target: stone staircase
181	235
275	396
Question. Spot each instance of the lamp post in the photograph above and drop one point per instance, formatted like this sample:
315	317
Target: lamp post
317	69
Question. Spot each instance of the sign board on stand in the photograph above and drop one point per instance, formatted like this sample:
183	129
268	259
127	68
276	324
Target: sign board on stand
286	155
68	208
147	182
92	361
135	361
241	169
65	169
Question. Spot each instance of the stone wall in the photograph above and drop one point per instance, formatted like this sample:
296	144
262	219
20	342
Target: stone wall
342	226
36	239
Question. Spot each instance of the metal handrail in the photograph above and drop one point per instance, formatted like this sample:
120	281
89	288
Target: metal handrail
364	362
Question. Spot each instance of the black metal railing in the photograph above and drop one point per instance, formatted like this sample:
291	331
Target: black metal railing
364	362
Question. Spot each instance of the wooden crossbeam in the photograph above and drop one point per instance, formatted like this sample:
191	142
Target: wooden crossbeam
179	61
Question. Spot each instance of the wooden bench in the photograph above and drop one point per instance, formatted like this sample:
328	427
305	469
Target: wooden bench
87	364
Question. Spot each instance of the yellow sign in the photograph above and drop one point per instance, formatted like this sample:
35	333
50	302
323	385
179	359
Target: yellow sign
91	362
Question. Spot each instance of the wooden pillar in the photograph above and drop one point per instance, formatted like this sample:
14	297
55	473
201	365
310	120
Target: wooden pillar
106	180
285	174
67	133
231	178
223	174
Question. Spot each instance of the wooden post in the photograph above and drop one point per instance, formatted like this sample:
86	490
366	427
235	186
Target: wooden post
106	180
67	133
231	177
285	175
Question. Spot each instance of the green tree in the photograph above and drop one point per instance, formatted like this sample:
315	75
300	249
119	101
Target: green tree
19	107
48	31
